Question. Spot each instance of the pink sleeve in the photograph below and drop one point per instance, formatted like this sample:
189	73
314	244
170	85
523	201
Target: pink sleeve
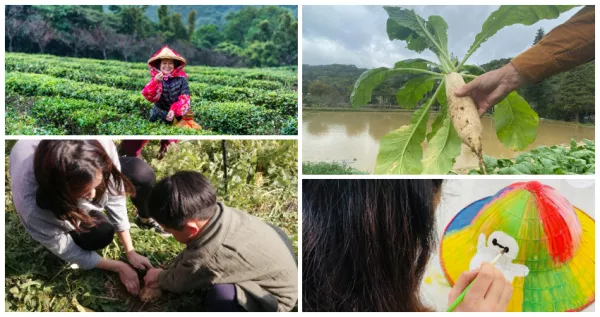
181	106
152	91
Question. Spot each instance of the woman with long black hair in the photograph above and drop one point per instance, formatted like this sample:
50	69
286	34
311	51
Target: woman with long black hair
60	189
366	244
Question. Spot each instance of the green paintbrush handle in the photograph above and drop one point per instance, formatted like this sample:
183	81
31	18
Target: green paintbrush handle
459	299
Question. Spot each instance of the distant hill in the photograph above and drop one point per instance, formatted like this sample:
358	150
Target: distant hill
206	14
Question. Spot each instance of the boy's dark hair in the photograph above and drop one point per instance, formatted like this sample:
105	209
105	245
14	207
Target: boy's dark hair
182	196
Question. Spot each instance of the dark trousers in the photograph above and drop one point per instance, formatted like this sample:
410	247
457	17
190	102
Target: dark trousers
95	237
142	176
222	298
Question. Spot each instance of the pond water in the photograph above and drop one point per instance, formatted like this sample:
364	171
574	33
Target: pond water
353	137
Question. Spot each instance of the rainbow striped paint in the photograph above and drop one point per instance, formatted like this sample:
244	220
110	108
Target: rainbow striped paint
555	240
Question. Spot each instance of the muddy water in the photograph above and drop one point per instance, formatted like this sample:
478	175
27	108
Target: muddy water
353	137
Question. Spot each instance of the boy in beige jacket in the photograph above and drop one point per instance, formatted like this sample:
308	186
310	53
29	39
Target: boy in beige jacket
245	263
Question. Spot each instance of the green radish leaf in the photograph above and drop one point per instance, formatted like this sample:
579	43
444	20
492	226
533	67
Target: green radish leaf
439	30
512	14
437	123
407	25
473	69
441	96
442	149
414	90
365	84
370	79
516	123
413	41
418	63
400	151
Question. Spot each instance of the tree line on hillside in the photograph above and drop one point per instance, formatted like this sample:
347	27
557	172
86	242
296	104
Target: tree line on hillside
567	96
253	36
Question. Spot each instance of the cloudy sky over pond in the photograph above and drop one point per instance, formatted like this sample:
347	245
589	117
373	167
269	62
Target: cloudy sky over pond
356	35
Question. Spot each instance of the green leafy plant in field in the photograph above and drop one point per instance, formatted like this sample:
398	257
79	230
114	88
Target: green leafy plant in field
400	151
261	179
557	159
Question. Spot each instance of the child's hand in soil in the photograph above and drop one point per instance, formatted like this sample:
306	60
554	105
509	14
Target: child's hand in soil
138	261
151	278
170	115
159	77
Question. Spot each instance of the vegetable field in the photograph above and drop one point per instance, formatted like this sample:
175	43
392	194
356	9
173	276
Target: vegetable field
557	160
262	180
68	96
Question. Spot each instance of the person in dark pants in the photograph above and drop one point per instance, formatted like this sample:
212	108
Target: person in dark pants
142	176
62	190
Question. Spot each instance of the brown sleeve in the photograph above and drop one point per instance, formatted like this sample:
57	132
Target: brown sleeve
565	47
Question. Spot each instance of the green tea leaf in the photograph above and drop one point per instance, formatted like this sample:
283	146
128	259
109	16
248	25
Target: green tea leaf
365	84
400	151
442	149
512	14
516	123
414	90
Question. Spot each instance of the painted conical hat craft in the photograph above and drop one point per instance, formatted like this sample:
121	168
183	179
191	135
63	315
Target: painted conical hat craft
550	258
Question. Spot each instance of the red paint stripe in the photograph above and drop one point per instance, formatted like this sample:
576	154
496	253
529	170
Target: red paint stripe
554	212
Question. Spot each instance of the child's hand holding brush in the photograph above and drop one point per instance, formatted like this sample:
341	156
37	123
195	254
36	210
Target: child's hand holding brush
489	290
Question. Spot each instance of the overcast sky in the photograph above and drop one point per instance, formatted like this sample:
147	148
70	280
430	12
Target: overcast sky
356	35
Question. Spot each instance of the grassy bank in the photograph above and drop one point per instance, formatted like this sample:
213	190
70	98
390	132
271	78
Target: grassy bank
329	168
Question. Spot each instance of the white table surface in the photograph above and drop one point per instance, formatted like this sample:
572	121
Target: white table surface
456	194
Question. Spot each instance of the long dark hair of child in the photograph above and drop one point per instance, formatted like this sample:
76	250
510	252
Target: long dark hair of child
365	243
65	171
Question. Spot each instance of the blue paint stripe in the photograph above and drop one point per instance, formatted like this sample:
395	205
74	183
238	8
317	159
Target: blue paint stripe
465	216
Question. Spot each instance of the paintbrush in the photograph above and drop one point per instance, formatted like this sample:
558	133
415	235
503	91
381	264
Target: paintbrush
460	298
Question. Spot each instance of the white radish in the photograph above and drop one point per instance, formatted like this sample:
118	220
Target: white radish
465	116
150	294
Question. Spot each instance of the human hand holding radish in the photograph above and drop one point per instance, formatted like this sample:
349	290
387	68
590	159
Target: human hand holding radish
491	87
